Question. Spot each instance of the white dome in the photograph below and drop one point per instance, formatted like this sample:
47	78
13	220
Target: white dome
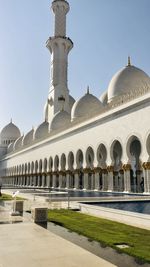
18	143
71	102
104	98
87	106
61	120
10	148
42	130
9	133
27	140
128	79
46	109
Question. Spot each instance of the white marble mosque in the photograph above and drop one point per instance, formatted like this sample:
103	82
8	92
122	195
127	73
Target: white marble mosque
89	143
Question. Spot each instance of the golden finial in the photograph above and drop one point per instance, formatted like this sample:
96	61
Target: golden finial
88	89
129	61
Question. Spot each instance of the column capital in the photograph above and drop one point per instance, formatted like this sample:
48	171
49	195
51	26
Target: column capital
126	167
146	165
110	168
88	170
97	169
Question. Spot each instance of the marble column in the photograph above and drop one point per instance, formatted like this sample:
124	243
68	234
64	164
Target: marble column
93	181
76	175
139	189
68	178
116	181
38	180
97	181
127	180
104	180
86	180
60	180
48	180
146	166
54	180
43	179
110	178
121	181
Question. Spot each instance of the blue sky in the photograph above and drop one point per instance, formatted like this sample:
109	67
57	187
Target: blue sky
104	33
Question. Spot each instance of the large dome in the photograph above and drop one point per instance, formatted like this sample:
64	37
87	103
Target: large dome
61	120
87	106
126	80
28	138
42	130
9	133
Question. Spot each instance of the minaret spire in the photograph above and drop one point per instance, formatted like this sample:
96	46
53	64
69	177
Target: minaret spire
59	46
129	61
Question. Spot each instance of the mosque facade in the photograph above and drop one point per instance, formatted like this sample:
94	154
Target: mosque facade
87	144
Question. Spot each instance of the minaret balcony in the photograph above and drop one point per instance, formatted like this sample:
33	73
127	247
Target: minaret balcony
52	41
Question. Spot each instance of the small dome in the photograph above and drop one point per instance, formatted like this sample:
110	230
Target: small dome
61	120
10	148
42	130
46	109
9	134
18	143
104	98
28	138
71	102
128	79
87	106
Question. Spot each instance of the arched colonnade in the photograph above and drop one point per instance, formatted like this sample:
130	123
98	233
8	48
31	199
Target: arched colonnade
120	168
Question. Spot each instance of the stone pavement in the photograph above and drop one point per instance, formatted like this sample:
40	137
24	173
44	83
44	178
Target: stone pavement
25	244
29	245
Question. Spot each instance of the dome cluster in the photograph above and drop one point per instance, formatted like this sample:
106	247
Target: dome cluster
127	80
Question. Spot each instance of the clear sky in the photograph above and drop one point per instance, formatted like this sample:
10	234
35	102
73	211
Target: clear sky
104	33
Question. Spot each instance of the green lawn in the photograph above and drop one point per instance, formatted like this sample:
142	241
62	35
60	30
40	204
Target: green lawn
5	197
108	233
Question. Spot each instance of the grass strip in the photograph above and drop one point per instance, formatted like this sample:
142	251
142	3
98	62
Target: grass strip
108	233
5	197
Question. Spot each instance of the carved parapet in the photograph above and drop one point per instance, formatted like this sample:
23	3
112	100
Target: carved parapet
126	167
146	165
110	168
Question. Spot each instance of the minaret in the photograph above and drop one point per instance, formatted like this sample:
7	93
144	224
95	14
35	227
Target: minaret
59	46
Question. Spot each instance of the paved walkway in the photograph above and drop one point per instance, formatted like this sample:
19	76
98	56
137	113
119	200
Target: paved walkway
26	244
29	245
